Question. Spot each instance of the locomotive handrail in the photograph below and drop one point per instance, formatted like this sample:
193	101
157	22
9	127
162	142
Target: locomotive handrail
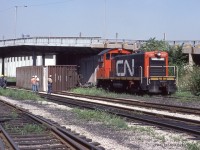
141	74
177	75
147	75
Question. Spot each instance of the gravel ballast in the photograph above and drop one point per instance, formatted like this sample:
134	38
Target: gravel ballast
141	137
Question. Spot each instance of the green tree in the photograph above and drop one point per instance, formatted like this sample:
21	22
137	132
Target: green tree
152	44
176	56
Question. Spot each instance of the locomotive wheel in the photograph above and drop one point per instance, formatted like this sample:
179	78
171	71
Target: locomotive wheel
110	87
134	87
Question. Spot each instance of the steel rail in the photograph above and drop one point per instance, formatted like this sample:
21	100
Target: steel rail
75	142
64	132
173	108
186	125
9	139
133	102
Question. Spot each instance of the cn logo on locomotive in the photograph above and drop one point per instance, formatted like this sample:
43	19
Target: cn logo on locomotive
121	66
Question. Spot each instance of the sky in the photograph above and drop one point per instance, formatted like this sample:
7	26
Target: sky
108	19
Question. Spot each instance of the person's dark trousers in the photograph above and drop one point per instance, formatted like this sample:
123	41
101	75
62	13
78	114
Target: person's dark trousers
49	88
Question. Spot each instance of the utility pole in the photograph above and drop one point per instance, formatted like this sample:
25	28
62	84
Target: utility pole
16	8
105	26
164	37
116	35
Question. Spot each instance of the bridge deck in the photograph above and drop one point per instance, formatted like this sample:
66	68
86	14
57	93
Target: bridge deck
93	42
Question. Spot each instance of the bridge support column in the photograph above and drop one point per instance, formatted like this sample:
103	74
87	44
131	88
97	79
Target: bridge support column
43	59
34	58
3	65
191	61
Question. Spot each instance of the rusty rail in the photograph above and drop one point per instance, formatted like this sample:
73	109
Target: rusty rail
52	137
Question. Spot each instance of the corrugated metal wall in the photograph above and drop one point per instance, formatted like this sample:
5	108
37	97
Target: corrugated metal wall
64	77
24	75
88	68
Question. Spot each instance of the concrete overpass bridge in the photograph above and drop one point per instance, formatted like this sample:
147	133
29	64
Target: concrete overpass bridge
190	46
35	46
90	42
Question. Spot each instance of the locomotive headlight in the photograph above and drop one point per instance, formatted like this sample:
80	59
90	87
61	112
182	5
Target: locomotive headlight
158	54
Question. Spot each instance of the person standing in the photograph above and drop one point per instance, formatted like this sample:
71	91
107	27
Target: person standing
50	81
37	83
33	83
2	81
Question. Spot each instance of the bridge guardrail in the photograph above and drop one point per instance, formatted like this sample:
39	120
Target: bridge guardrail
83	41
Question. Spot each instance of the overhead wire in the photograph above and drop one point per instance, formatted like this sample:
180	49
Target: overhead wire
3	10
52	3
37	5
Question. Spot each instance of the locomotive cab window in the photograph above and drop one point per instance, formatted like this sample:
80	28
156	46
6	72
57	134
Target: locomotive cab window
100	58
100	61
113	55
108	56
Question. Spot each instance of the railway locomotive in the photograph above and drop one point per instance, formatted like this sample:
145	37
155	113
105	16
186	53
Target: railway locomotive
121	69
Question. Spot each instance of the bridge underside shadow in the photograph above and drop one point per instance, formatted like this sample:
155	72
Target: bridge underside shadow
87	65
18	51
84	57
196	59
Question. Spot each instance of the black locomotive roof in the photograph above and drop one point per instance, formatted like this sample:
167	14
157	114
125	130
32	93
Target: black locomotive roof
136	53
139	51
104	51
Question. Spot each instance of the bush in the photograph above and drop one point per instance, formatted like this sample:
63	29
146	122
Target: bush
176	56
194	80
183	77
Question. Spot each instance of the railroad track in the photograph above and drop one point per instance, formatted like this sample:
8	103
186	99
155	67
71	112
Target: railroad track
139	103
172	122
131	102
21	130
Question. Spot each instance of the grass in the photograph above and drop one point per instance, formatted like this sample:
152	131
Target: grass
119	123
94	91
32	128
11	79
184	96
192	146
26	129
14	114
100	116
101	92
19	94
